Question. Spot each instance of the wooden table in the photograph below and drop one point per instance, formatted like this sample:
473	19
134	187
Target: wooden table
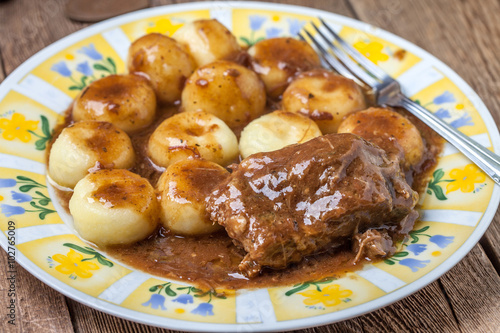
464	34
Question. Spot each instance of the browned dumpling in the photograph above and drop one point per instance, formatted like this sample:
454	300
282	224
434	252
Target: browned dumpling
127	101
164	61
325	97
192	135
87	145
278	60
112	207
389	130
230	91
183	188
208	41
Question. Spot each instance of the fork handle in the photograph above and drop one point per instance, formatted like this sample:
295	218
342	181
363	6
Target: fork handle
482	157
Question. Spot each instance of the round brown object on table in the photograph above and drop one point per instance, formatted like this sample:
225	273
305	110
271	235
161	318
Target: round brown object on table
183	188
278	60
87	145
192	135
325	97
208	41
164	61
389	130
112	207
127	101
230	91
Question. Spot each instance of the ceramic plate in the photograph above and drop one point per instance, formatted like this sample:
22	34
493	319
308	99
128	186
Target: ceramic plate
458	205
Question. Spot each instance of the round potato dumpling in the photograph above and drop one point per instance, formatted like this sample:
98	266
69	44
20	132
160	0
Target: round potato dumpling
88	145
164	61
191	135
324	97
183	188
127	101
388	129
112	207
208	41
276	130
278	60
230	91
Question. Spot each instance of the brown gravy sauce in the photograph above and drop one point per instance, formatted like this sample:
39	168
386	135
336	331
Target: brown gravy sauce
211	261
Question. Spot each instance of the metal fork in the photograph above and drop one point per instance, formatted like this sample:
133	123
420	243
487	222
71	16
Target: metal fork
347	61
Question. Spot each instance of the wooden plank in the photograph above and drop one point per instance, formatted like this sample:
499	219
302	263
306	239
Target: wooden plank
28	26
38	308
473	289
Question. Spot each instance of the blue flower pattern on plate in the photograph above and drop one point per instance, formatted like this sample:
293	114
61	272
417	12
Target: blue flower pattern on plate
156	302
294	26
416	248
61	68
273	32
414	264
90	52
256	22
204	309
9	210
184	299
84	68
464	120
21	197
446	97
442	241
7	182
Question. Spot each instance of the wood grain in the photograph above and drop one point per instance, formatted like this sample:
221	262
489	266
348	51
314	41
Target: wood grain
464	34
39	308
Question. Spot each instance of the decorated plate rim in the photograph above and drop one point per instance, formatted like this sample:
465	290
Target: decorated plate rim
318	320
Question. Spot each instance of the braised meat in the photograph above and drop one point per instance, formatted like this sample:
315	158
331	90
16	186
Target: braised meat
283	205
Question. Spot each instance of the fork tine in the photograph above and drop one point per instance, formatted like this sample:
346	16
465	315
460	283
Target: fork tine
370	67
329	59
344	59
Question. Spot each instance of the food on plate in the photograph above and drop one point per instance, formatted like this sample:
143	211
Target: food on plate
116	206
177	195
278	60
283	205
183	188
325	97
192	135
87	145
389	130
276	130
127	101
164	61
230	91
208	41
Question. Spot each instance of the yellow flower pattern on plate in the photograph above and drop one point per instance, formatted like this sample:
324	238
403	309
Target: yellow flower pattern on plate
330	295
17	127
73	263
465	179
164	26
372	50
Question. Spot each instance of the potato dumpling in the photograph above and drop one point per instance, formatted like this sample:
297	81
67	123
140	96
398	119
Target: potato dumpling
208	41
278	60
127	101
164	61
324	97
276	130
85	145
112	207
192	134
183	188
230	91
389	130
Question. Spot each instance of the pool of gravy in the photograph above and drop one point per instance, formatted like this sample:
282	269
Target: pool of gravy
211	261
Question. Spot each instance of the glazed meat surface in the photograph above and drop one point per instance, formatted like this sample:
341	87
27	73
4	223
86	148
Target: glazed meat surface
283	205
